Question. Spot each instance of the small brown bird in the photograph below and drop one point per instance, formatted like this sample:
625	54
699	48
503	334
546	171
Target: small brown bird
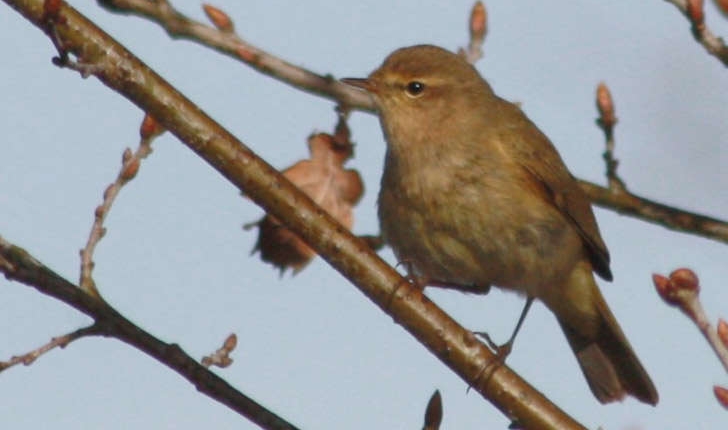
474	194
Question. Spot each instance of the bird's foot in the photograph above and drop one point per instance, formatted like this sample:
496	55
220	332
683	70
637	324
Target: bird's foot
413	278
501	351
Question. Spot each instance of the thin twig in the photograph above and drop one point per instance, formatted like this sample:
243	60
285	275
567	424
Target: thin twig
226	41
670	217
61	341
693	11
130	164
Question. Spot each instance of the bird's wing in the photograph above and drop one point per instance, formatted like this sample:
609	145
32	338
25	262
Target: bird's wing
544	166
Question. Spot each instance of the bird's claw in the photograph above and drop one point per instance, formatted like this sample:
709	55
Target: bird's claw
501	351
415	280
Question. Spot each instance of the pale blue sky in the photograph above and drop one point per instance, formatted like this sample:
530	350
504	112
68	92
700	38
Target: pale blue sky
311	347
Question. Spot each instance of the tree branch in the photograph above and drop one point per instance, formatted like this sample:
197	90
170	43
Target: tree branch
669	217
130	164
227	42
60	341
17	264
451	343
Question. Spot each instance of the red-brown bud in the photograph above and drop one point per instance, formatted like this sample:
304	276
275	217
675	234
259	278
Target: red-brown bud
662	285
107	191
721	393
685	279
126	156
247	55
478	22
695	12
681	287
130	169
220	19
722	6
51	8
150	127
231	342
723	332
605	105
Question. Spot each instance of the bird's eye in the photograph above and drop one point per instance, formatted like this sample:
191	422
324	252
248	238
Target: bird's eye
415	88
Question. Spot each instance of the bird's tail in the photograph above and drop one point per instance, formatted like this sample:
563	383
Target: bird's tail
607	360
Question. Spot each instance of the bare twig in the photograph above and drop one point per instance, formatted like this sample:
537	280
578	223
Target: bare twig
129	167
17	264
229	43
61	341
693	11
656	213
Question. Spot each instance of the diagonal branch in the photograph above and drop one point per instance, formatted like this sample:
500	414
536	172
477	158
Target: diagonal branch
451	343
179	26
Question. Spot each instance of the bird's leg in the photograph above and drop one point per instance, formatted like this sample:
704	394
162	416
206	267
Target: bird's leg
416	280
411	278
502	351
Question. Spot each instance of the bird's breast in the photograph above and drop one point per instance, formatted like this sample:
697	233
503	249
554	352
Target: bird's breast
473	226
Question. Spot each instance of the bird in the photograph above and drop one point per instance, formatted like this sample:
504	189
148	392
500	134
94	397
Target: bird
473	194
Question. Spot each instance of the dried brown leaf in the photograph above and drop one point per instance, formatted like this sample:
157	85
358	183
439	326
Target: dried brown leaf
323	178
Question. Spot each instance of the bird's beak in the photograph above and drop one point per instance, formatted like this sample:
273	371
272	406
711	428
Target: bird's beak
363	83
